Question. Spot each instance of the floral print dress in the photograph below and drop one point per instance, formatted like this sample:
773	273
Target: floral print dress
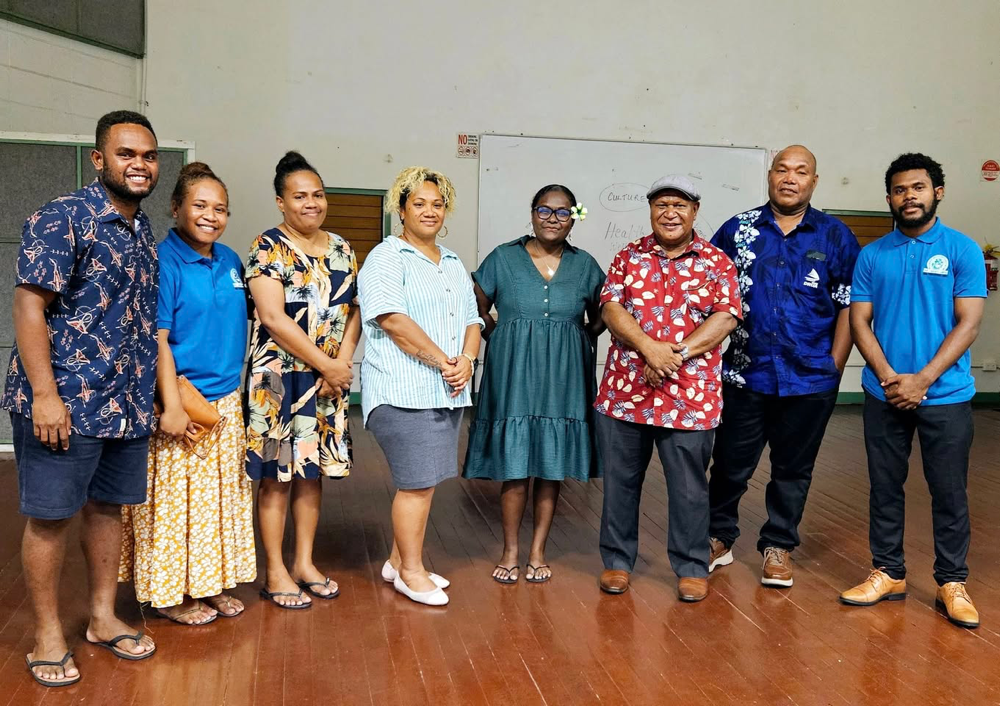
292	431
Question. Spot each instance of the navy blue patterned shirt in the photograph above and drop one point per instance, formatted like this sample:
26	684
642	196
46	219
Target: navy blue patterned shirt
102	323
793	287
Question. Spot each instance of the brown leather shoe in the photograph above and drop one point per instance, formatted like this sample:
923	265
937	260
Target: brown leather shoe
718	554
953	598
777	569
879	586
614	581
692	590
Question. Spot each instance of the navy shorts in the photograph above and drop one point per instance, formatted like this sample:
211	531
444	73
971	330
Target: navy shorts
55	485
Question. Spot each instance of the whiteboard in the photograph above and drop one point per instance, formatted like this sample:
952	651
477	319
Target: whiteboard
611	180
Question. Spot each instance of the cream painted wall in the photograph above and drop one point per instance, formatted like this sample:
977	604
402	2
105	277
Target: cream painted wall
51	84
363	89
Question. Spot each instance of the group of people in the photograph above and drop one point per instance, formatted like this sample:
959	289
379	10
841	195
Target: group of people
114	331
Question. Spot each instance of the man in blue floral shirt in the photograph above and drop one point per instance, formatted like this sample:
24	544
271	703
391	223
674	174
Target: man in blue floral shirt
783	366
80	385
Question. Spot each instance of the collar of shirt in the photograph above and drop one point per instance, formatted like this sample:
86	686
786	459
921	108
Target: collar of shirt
97	197
931	236
524	239
183	250
809	219
403	246
651	245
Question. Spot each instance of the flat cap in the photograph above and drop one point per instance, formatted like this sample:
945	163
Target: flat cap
674	182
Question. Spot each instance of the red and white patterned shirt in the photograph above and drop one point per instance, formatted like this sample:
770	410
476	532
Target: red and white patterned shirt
670	298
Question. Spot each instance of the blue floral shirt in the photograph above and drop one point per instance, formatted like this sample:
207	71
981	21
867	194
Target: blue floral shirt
792	287
102	323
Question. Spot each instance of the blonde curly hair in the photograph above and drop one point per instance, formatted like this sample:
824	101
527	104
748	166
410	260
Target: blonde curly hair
410	179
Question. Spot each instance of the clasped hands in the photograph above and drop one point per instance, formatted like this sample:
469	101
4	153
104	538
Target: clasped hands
337	376
905	391
457	372
663	359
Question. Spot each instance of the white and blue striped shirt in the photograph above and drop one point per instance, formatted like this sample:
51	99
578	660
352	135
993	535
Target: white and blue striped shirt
397	278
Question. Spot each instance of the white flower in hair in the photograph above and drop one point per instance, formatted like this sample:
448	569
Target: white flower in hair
578	212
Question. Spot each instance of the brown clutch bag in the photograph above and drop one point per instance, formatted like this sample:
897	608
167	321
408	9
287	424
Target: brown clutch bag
206	423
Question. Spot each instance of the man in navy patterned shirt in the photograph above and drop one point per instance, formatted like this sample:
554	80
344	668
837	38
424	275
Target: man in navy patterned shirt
80	385
783	366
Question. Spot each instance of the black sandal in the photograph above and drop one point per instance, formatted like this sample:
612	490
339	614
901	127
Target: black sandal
269	596
505	578
534	570
112	645
45	663
307	586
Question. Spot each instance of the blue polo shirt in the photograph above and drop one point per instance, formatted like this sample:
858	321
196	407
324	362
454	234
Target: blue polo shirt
912	284
792	287
203	304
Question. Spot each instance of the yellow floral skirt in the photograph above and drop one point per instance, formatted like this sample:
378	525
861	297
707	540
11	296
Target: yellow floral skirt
194	533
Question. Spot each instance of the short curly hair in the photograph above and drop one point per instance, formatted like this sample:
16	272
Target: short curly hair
914	161
410	179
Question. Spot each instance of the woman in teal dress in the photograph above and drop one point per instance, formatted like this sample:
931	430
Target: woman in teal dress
534	412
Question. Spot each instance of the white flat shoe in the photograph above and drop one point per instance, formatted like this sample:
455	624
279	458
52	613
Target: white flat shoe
435	597
389	575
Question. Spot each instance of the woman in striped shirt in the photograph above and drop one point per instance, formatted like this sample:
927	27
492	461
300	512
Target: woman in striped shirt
422	334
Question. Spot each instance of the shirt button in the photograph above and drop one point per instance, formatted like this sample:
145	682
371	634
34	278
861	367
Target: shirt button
781	262
451	314
546	301
546	287
448	290
546	313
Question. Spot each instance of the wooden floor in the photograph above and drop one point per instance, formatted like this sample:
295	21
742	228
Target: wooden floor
563	642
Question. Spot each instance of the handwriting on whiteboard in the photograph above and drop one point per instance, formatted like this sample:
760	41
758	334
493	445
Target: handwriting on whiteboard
624	197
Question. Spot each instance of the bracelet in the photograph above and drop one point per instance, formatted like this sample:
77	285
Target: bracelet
472	361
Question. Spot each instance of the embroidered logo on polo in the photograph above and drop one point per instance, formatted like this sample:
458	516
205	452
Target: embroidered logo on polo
812	279
936	265
237	280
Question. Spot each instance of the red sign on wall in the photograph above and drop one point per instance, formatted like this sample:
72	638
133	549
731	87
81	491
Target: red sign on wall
468	145
991	170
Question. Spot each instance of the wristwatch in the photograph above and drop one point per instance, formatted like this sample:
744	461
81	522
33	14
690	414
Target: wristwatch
685	353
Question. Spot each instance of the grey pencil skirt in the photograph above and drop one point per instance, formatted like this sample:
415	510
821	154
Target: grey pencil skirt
421	445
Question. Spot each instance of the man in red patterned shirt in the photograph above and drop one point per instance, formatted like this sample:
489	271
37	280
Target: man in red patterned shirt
670	300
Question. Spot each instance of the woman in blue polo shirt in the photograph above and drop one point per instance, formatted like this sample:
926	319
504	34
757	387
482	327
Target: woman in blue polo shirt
193	537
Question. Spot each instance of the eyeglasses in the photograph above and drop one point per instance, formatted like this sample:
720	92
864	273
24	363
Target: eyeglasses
544	213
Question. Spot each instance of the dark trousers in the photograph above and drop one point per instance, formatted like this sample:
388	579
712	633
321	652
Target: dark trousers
794	428
626	449
945	433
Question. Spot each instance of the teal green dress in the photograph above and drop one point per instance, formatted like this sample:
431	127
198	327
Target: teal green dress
534	415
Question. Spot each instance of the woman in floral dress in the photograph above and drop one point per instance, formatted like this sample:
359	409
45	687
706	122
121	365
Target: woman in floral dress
305	329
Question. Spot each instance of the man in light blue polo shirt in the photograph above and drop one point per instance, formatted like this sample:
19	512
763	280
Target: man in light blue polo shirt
917	301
